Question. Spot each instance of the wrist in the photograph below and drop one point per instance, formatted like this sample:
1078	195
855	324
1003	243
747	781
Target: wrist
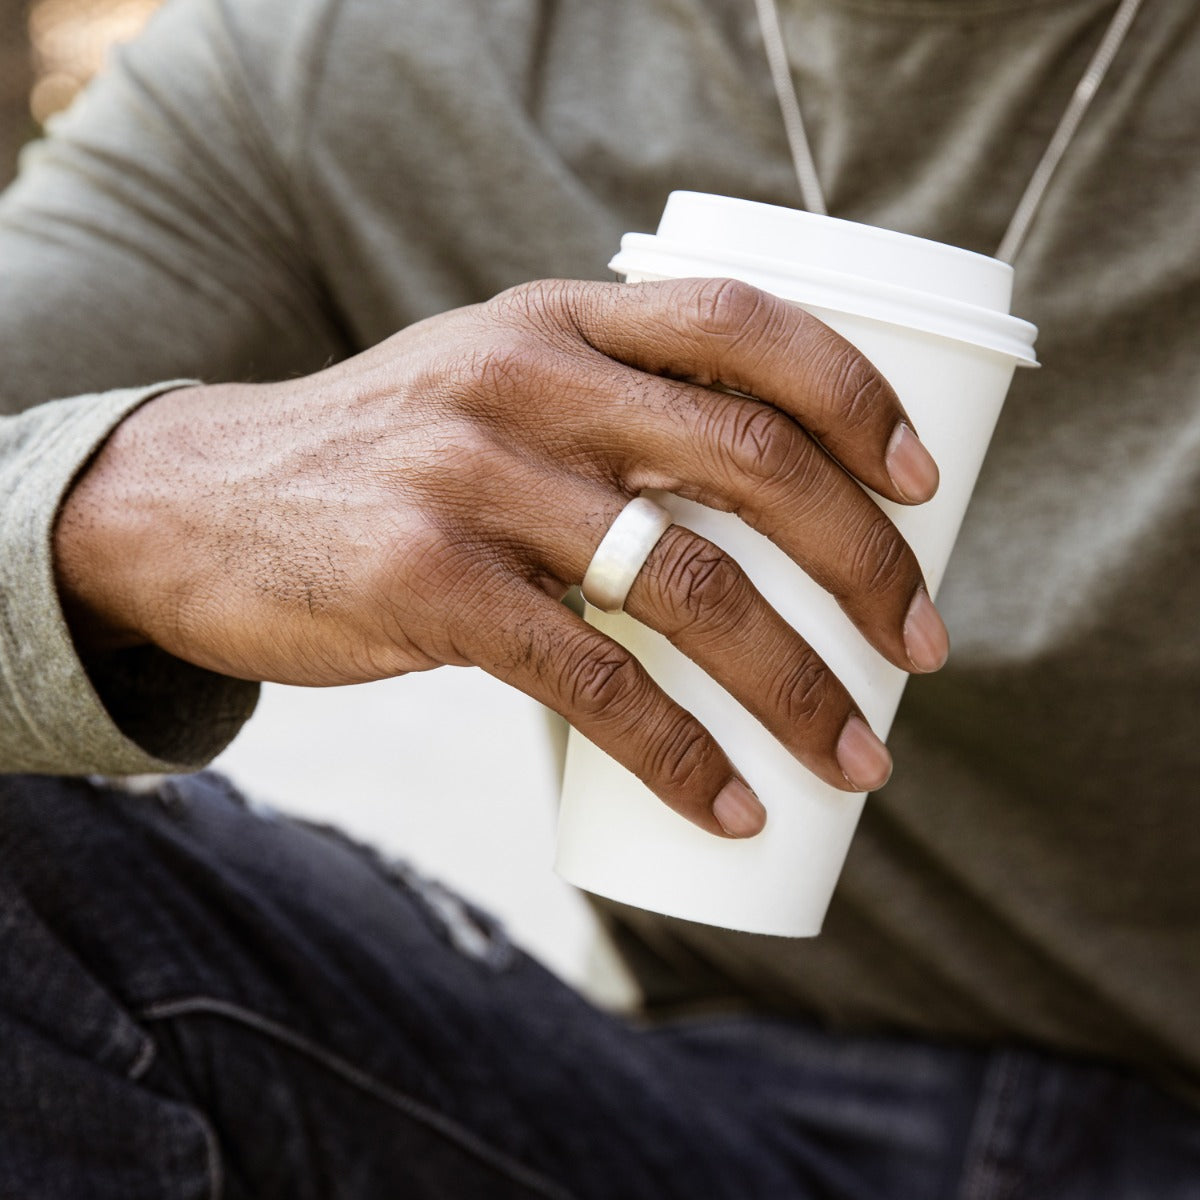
104	537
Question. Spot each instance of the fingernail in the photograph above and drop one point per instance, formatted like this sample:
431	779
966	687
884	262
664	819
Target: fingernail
864	759
925	638
738	810
910	465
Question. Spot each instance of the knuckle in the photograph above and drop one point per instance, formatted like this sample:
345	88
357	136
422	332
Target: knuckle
803	690
599	680
524	299
880	556
857	393
549	307
680	753
499	368
726	308
760	443
699	580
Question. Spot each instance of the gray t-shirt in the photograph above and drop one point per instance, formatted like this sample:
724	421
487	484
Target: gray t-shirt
257	187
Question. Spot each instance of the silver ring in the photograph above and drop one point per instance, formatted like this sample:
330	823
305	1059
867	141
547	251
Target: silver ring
623	552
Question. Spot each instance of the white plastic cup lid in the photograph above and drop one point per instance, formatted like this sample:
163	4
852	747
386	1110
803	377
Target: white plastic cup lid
841	266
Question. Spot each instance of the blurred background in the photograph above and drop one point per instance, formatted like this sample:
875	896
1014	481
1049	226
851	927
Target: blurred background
449	769
48	50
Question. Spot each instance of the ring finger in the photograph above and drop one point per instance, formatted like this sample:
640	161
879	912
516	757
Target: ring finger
698	597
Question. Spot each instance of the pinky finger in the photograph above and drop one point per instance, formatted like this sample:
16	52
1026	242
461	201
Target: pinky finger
604	692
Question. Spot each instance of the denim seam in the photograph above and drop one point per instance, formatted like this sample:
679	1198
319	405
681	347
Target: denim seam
981	1172
145	1057
215	1169
437	1122
212	1153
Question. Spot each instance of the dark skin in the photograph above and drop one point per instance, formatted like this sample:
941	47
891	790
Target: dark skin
430	500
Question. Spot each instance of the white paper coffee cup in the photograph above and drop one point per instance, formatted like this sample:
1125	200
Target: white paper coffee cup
934	320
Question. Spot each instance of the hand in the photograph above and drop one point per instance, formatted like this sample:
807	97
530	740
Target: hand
431	500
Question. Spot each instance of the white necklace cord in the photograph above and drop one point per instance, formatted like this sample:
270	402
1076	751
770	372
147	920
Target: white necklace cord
1027	207
1085	89
789	106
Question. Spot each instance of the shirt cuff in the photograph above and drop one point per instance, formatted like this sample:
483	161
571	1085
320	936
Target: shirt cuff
158	713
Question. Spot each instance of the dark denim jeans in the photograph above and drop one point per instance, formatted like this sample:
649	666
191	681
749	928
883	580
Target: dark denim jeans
200	1001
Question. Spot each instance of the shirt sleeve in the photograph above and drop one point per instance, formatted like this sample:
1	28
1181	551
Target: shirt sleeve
157	713
152	237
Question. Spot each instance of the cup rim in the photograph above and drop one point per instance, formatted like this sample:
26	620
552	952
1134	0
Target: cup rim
911	308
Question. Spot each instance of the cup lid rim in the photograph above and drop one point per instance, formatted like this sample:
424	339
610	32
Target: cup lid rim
987	328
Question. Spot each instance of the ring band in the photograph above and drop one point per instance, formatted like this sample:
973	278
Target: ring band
623	552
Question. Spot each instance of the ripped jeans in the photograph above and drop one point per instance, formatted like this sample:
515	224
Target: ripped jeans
201	1001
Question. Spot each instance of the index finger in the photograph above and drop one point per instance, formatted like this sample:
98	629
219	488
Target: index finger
723	332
